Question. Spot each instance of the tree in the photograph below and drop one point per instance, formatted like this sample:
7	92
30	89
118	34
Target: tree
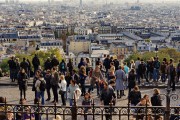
43	55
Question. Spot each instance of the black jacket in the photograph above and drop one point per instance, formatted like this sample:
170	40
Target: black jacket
47	65
131	80
107	96
54	62
156	100
12	64
36	62
47	78
24	65
135	97
22	81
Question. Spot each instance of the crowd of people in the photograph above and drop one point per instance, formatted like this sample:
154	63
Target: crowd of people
109	77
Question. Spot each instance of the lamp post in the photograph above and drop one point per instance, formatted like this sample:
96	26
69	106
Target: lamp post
156	50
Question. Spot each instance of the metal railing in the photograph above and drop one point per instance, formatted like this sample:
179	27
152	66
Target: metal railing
47	112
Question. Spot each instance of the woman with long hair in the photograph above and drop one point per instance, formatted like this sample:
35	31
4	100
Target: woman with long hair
96	77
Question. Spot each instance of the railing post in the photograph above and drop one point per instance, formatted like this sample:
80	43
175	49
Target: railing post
128	109
55	109
74	109
111	110
93	110
5	107
167	111
146	111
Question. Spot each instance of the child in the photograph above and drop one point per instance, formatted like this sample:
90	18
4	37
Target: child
87	103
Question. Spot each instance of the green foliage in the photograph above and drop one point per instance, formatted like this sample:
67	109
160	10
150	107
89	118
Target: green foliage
173	53
4	65
148	40
163	53
133	57
41	54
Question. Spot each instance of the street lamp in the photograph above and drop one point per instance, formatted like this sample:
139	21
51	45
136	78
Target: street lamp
156	50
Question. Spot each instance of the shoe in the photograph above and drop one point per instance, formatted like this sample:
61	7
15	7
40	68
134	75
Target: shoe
118	97
48	99
52	101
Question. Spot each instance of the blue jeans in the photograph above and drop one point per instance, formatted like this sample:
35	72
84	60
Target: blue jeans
41	95
156	74
71	102
163	77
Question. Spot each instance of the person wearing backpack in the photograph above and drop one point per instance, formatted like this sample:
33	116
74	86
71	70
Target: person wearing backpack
40	86
62	67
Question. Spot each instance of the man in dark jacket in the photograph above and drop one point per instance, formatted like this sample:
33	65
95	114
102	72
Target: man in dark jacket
54	61
24	65
106	98
106	63
82	63
142	71
116	64
47	64
36	63
12	68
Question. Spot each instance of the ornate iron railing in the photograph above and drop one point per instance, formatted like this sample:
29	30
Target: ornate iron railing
48	112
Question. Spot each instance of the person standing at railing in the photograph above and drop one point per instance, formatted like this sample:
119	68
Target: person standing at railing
120	77
22	82
54	84
87	103
131	79
47	78
36	63
12	68
40	86
106	99
71	91
63	87
24	65
171	71
156	101
135	96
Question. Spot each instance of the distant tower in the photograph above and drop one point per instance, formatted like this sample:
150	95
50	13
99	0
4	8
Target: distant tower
49	1
52	1
17	1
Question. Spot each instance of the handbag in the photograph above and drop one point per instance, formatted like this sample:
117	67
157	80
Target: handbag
60	92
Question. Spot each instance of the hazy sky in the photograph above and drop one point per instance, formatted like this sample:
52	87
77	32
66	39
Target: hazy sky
104	0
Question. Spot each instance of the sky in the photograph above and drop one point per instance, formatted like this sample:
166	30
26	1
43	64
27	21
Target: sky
105	0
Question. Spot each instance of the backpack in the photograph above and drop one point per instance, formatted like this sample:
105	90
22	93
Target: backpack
42	86
62	66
